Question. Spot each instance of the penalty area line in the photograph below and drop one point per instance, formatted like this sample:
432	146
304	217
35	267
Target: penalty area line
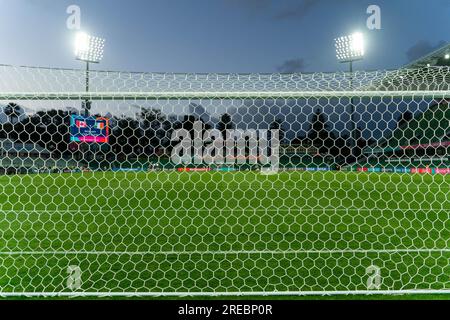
281	210
212	294
242	252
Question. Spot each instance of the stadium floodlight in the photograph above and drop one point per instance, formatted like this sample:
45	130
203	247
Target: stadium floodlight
349	49
90	50
447	56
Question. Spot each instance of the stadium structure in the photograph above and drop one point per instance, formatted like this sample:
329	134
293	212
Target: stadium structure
166	184
420	141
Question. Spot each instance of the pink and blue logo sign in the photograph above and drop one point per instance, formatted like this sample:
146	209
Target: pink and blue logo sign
89	129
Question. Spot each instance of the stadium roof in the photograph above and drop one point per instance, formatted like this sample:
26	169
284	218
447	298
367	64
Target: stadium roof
435	58
428	73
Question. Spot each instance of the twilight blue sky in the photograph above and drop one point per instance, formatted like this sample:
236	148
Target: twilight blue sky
221	35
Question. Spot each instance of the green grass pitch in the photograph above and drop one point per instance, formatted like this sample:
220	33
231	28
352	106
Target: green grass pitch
224	232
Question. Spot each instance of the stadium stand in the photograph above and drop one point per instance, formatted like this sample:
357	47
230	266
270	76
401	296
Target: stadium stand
422	141
17	157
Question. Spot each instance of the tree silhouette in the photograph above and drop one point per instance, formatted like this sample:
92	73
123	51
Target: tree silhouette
48	129
319	134
404	119
361	142
278	125
225	123
154	127
13	111
125	139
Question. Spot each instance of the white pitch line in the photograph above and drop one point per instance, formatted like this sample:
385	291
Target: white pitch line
235	252
213	294
231	210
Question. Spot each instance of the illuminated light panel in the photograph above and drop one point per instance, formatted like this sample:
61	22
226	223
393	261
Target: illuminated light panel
89	48
350	48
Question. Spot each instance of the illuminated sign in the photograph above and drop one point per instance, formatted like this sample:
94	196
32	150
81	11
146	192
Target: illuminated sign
89	129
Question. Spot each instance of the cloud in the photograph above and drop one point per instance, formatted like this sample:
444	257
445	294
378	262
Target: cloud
251	7
251	4
292	66
276	10
421	48
298	11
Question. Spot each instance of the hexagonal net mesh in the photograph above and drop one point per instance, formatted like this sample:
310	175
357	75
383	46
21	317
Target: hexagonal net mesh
206	184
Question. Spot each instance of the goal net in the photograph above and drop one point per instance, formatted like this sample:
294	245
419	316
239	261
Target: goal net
224	184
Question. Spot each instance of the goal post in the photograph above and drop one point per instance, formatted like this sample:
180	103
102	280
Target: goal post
224	184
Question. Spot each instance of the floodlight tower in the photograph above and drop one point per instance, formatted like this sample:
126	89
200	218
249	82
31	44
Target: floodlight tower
348	50
90	50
